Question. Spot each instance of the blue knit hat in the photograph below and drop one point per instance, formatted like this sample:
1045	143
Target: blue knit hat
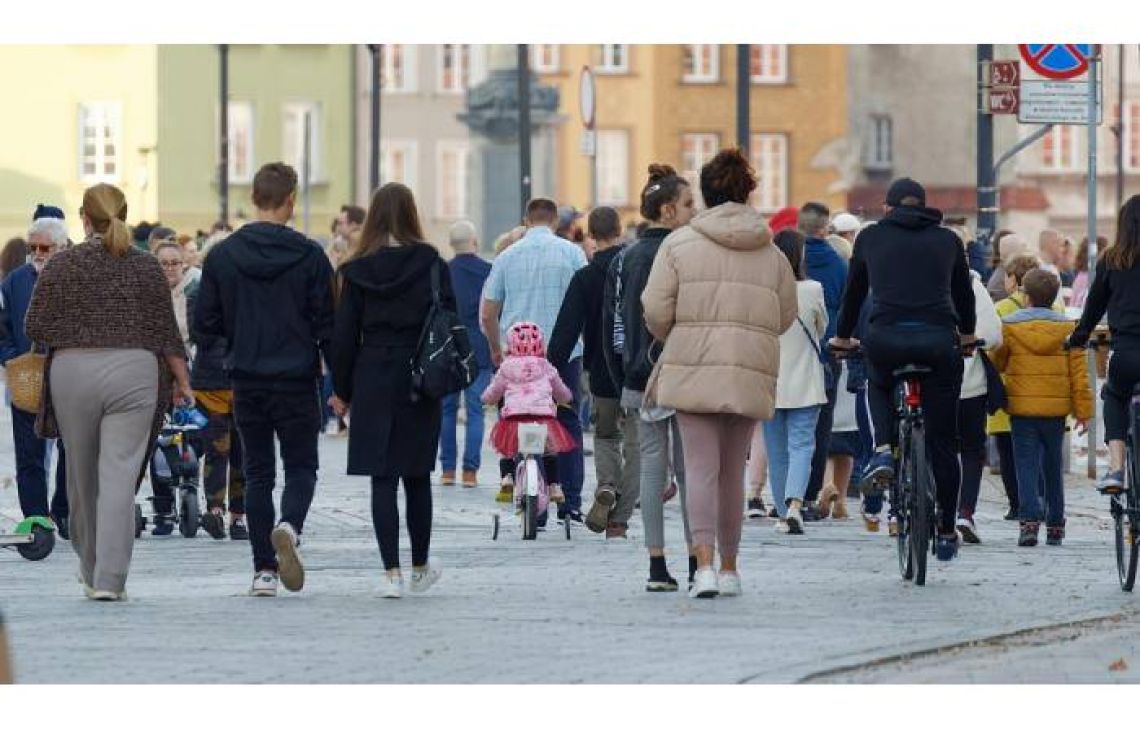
47	211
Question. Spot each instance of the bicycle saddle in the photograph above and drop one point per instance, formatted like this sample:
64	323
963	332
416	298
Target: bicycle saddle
907	371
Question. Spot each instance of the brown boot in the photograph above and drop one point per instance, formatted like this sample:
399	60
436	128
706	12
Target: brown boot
448	479
470	478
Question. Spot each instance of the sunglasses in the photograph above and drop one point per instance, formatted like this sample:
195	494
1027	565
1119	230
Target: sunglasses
41	248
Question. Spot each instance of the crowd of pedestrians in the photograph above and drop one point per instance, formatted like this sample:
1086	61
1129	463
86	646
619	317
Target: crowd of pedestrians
707	345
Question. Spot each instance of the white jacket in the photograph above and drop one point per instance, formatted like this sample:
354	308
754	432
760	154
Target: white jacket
800	383
988	329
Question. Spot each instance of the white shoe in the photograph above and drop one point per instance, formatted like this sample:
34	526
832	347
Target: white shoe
264	584
729	583
424	579
795	521
391	586
704	584
102	595
289	566
782	526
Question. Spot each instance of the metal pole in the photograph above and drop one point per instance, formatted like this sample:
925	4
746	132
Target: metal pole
986	172
524	126
224	133
374	152
1120	128
743	96
306	168
1091	232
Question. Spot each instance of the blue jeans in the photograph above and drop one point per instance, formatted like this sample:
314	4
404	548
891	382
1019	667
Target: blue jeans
790	438
33	464
473	440
1037	446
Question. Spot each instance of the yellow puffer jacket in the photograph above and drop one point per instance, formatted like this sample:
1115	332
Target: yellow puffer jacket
1042	379
999	422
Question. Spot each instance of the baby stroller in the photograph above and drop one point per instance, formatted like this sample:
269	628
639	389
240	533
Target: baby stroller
174	477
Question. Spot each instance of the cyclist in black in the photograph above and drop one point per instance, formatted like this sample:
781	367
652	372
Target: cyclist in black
922	313
1116	290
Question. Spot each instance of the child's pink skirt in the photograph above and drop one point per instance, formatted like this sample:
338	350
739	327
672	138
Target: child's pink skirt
505	435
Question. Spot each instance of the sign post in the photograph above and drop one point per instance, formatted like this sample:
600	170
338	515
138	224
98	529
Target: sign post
1091	232
587	106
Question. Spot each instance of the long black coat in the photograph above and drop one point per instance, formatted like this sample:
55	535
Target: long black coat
384	300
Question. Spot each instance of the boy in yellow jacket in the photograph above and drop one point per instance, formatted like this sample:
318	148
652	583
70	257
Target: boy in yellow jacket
1044	384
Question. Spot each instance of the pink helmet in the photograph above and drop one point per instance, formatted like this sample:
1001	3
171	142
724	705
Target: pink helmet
525	339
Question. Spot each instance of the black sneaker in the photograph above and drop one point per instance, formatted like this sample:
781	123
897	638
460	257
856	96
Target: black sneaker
661	584
61	527
809	513
1028	534
214	523
756	509
163	525
238	530
573	515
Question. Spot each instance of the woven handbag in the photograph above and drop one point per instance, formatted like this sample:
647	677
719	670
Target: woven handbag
26	381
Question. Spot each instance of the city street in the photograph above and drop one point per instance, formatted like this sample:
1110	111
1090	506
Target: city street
825	607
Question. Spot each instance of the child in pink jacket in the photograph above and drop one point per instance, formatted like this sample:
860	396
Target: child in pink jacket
530	389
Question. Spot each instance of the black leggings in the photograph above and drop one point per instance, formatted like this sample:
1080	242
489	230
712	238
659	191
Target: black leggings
1008	468
549	468
972	440
386	518
1123	376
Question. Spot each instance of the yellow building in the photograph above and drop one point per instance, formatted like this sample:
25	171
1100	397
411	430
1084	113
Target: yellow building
677	104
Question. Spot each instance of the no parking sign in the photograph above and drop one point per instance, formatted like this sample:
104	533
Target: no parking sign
1059	60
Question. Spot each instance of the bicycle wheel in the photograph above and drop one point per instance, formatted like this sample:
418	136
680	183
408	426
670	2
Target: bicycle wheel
1124	518
189	512
900	504
527	472
923	511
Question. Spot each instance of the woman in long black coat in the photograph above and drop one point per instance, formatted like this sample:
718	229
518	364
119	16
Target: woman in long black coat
384	296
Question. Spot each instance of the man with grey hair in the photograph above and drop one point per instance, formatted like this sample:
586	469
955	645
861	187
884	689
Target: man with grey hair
46	237
1010	246
468	275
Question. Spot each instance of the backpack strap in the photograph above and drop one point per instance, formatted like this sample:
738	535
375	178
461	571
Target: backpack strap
435	285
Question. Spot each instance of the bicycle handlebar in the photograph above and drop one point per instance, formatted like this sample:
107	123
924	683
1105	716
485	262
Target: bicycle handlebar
844	353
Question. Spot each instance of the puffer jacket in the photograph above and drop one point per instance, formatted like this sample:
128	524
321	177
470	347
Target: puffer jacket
528	386
719	296
999	422
1041	379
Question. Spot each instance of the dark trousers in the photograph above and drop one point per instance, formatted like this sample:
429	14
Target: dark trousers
572	465
221	462
1008	468
972	437
823	427
888	348
1123	376
292	414
33	462
1037	452
386	518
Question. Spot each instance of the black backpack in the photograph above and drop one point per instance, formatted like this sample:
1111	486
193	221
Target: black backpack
444	362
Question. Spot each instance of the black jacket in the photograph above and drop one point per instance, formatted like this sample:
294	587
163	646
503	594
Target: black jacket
267	290
1116	292
630	350
917	269
383	304
208	371
582	312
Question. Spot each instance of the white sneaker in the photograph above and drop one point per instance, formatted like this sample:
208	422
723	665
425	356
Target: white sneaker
782	526
391	586
729	583
101	595
289	566
704	584
968	530
795	521
264	584
426	578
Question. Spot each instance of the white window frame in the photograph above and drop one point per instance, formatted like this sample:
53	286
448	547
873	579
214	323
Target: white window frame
410	148
619	175
1130	131
880	153
295	156
766	76
705	146
693	73
537	62
606	63
236	108
408	53
1055	139
463	67
769	198
464	151
110	122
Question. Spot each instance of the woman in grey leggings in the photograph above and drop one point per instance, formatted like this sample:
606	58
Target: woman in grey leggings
104	312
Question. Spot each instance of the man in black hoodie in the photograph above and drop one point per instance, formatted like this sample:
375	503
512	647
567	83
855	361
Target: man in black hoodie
267	290
922	313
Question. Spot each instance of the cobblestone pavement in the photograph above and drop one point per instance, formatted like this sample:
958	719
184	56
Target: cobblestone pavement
569	612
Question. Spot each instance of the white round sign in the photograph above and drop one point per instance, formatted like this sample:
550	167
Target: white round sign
587	97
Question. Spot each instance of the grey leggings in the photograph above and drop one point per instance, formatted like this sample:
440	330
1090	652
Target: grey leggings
655	452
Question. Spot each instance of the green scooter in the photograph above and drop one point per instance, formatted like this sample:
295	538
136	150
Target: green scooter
33	538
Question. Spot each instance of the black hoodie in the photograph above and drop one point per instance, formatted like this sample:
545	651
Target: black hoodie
581	316
917	269
268	290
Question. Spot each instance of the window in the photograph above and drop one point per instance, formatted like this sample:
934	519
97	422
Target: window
100	141
614	58
770	159
544	58
451	180
398	162
293	136
613	167
880	143
1059	149
697	149
769	63
701	64
240	142
398	68
454	67
1131	132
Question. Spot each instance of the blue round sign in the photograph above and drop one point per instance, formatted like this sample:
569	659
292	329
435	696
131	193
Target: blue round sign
1058	60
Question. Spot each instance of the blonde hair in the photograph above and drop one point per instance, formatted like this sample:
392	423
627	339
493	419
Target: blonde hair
106	207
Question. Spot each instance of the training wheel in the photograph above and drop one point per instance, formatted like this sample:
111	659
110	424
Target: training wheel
494	527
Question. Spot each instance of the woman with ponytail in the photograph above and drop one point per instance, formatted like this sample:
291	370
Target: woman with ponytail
719	296
115	362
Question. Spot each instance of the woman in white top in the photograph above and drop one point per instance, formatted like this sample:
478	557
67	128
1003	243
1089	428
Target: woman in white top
790	435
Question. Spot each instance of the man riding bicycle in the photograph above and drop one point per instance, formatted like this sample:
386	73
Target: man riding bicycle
922	313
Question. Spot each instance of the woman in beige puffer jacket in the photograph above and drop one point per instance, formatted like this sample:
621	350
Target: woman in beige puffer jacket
719	296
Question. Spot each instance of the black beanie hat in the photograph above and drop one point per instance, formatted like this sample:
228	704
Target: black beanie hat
47	211
904	187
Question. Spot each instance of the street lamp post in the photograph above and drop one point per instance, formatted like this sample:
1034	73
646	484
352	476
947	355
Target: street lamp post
524	126
743	95
374	155
224	127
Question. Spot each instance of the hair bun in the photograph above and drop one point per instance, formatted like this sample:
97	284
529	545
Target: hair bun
659	171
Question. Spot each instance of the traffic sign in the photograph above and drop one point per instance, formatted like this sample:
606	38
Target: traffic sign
1005	73
1057	102
588	145
1004	101
587	97
1058	61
